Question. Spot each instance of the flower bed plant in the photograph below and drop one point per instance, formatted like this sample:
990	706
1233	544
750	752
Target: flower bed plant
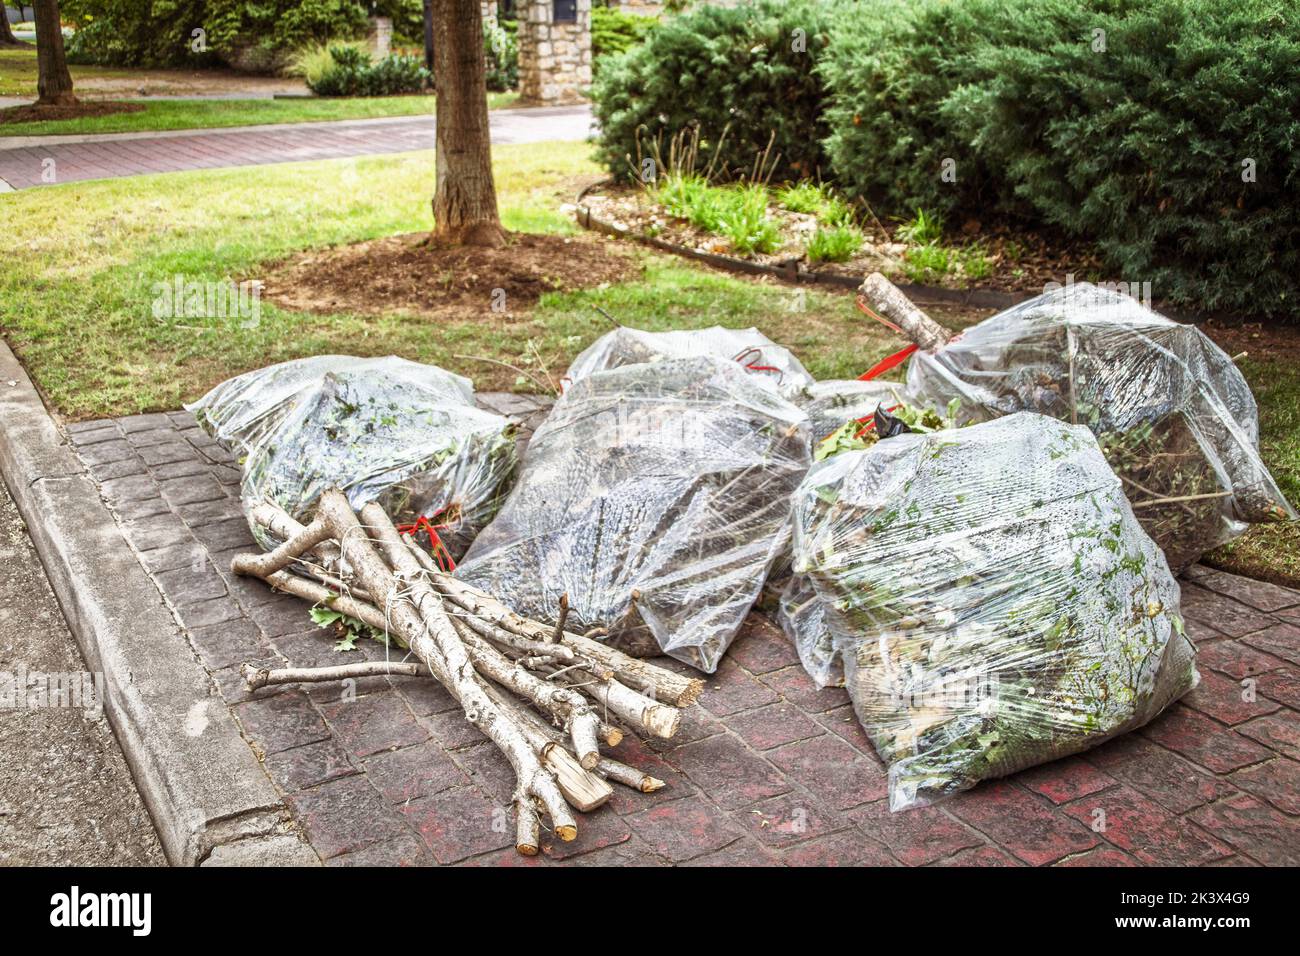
813	223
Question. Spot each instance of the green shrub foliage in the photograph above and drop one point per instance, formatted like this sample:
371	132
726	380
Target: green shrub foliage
160	32
1125	123
1164	132
750	66
613	31
501	52
354	73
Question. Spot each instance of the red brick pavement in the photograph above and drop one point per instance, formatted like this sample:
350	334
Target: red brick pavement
767	770
129	155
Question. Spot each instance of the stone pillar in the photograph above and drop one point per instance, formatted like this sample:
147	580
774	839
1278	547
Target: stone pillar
554	56
381	37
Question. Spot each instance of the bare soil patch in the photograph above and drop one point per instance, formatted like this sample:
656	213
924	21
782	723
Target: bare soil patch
35	114
208	82
1264	341
409	274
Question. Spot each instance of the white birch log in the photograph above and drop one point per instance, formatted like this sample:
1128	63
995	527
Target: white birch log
258	677
888	301
439	637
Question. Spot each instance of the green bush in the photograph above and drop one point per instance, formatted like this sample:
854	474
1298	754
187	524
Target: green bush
160	32
351	72
613	31
135	33
501	50
1137	148
712	67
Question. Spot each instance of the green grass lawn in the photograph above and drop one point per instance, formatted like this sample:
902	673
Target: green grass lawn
213	114
16	65
75	302
1272	551
18	71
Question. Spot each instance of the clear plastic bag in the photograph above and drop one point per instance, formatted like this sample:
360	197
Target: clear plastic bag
770	364
802	617
383	429
834	402
1174	416
994	600
657	498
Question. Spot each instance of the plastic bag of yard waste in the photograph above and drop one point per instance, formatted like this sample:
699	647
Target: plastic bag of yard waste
802	616
657	498
832	403
383	429
995	601
769	364
1173	415
799	611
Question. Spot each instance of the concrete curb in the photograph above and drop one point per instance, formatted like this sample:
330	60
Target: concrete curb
210	799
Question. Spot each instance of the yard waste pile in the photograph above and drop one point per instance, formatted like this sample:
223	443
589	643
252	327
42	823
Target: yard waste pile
1173	415
655	497
770	364
993	598
831	404
548	699
856	424
387	430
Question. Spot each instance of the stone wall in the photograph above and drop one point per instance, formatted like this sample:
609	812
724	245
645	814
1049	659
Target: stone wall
554	58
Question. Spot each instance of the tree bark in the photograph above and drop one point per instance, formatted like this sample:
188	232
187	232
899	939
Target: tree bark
888	302
465	198
7	37
53	81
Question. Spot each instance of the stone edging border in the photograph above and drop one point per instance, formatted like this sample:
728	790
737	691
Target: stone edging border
792	270
210	799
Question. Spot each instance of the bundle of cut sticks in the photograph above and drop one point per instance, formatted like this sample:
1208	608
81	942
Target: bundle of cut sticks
547	698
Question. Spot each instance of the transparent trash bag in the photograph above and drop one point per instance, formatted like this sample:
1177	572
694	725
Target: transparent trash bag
1174	416
994	600
770	364
388	430
802	617
657	498
832	403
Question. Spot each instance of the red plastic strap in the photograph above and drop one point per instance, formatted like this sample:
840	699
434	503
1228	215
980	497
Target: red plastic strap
885	364
436	546
752	365
867	310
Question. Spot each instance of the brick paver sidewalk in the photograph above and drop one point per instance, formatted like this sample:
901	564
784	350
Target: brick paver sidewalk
131	154
767	770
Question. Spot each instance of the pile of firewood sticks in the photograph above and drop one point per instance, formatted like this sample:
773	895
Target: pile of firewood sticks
547	698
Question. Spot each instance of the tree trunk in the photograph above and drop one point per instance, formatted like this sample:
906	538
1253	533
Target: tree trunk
7	37
53	82
465	199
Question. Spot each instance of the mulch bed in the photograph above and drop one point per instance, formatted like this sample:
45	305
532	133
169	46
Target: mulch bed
41	114
1273	340
1022	261
407	273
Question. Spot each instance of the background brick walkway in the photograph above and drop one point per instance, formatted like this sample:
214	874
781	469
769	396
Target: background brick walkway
109	156
767	769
